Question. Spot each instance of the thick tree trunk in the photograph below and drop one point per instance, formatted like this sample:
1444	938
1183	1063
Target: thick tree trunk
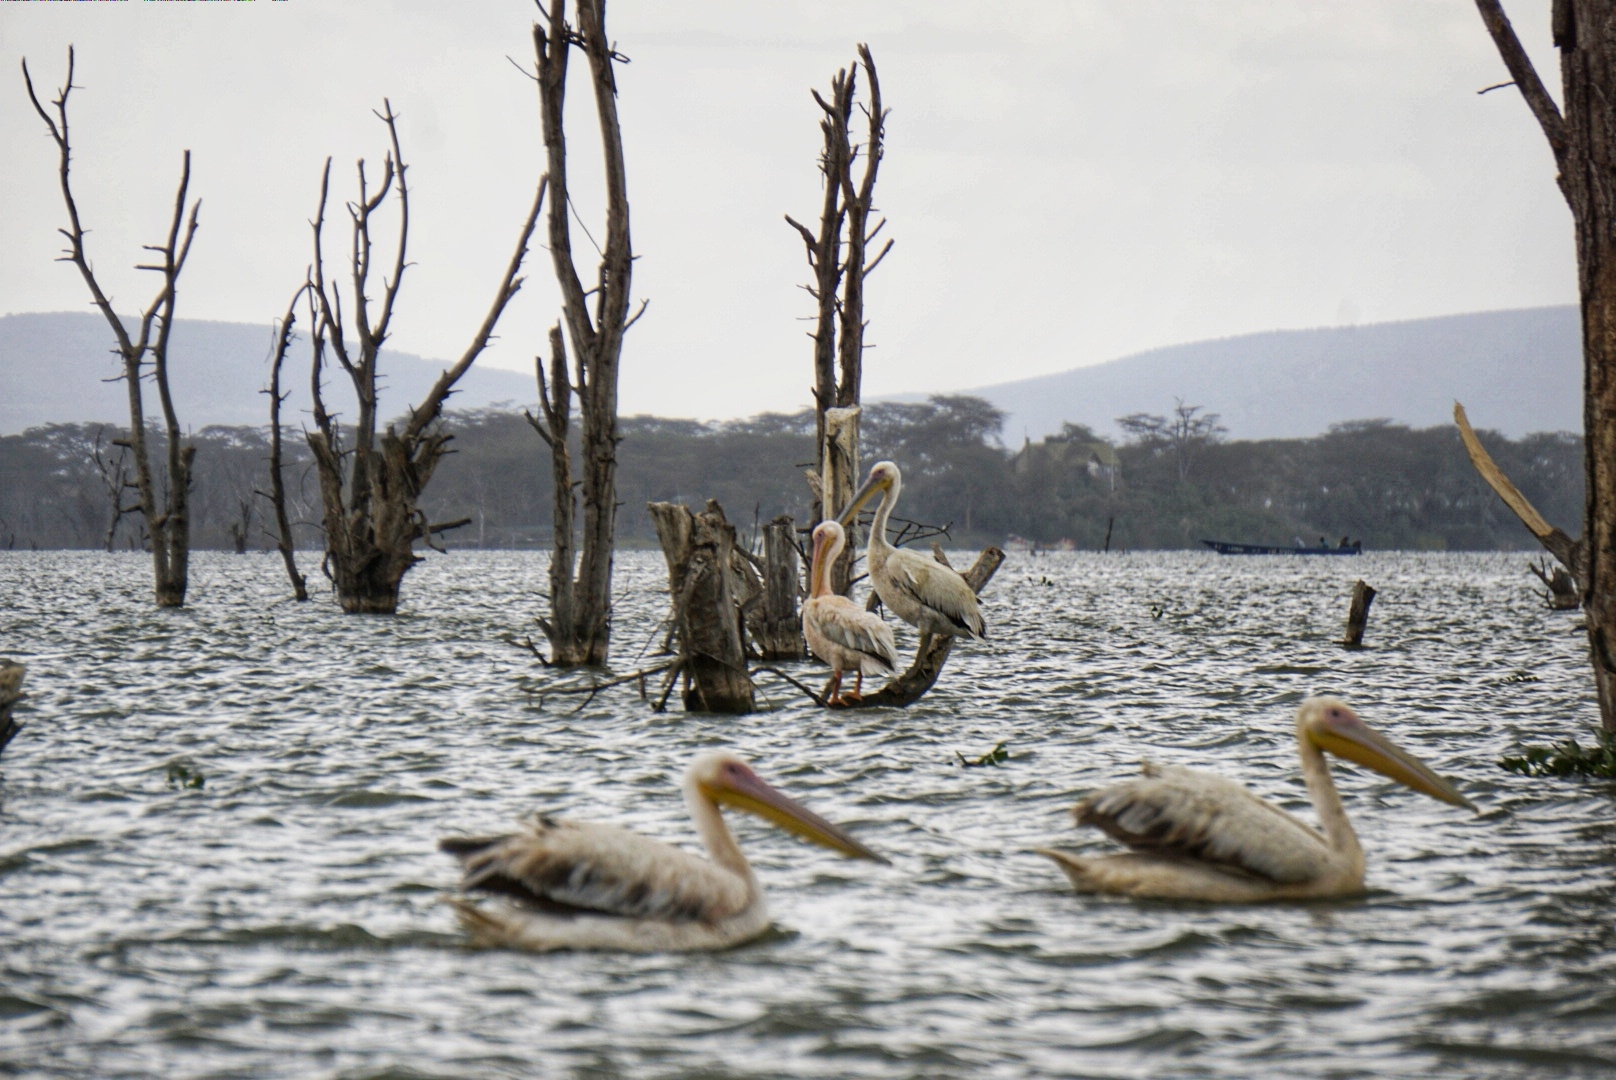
1358	615
839	478
1583	140
778	630
699	549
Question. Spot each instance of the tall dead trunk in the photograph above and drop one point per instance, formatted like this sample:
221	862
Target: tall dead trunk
370	490
167	512
1583	140
838	289
277	481
700	549
579	623
778	631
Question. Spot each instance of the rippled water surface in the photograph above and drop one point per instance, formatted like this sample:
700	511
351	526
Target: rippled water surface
284	918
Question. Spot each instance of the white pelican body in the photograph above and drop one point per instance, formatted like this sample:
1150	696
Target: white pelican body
839	632
579	885
1197	836
917	588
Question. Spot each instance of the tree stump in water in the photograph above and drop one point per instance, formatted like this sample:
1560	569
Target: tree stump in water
913	684
1358	615
1562	594
11	674
777	627
699	549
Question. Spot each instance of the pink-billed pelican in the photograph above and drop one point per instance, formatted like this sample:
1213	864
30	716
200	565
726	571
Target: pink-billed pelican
1197	836
840	632
579	885
917	588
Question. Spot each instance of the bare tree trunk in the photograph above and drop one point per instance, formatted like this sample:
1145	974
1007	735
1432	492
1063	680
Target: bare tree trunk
779	630
579	626
1358	615
838	291
168	519
699	549
1583	141
370	491
277	483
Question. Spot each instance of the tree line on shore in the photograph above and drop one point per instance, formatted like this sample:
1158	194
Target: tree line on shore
1164	486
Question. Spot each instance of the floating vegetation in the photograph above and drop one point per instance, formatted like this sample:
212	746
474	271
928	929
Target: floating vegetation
1569	758
997	756
182	775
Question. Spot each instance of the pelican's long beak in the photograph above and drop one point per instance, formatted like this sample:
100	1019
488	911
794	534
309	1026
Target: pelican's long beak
860	497
748	792
1347	736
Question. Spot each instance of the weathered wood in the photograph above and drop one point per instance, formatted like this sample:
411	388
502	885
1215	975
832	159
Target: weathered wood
699	549
1358	615
579	626
777	630
839	478
1583	141
277	484
912	685
1569	552
1562	593
166	513
11	674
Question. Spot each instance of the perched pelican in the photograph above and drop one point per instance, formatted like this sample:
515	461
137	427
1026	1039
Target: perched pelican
840	632
1197	836
917	588
578	885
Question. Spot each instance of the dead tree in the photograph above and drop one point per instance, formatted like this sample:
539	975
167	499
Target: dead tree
922	674
370	489
115	478
1583	140
277	478
1358	614
166	513
579	623
776	628
700	551
838	286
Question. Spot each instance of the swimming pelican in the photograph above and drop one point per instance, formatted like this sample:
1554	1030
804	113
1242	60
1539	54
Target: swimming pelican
917	588
578	885
840	632
1197	836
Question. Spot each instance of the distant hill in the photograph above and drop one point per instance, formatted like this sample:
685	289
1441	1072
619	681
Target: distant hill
53	366
1516	372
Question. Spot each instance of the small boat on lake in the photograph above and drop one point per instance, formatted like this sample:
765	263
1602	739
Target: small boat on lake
1224	547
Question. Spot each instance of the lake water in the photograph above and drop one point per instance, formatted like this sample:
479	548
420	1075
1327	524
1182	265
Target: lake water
284	918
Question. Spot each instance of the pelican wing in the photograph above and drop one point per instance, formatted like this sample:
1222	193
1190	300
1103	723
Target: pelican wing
850	626
1199	816
575	867
929	583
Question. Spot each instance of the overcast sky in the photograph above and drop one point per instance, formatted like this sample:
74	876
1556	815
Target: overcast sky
1067	182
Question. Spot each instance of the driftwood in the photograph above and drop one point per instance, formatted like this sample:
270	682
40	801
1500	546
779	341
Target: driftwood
1561	594
11	674
777	628
700	549
912	685
1358	615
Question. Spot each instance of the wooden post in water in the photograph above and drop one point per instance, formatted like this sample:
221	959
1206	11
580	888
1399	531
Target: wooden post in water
1358	615
11	674
712	658
778	635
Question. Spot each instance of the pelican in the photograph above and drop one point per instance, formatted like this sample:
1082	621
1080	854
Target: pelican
921	591
840	632
1196	836
579	885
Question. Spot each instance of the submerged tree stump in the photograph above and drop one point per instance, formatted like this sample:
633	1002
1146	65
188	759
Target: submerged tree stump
1358	615
1562	594
699	549
776	627
11	674
912	685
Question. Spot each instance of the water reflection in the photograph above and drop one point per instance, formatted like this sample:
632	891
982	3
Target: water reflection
282	918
